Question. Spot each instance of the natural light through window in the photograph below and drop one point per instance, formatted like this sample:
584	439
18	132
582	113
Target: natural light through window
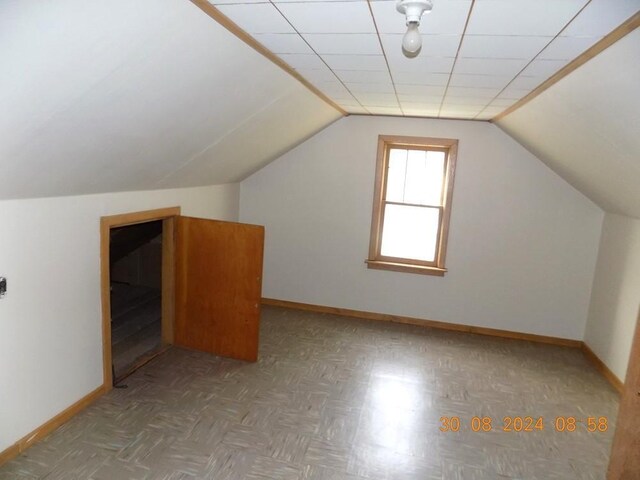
411	210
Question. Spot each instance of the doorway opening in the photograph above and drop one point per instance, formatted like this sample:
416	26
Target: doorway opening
135	269
138	296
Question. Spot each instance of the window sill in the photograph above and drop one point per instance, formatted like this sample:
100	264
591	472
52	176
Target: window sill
405	267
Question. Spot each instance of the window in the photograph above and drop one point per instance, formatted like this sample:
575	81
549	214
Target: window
412	204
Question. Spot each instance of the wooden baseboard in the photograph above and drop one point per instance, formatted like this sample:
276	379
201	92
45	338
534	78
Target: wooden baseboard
564	342
48	427
493	332
602	368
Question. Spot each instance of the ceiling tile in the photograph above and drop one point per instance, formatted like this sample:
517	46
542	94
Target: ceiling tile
524	82
522	17
489	66
446	17
514	93
381	99
302	61
490	112
283	42
455	110
359	88
363	76
257	18
454	91
329	17
355	62
466	101
375	110
334	90
419	98
432	106
449	113
421	112
601	17
502	103
463	107
544	68
419	78
432	45
314	75
481	81
344	44
420	89
567	48
420	64
502	46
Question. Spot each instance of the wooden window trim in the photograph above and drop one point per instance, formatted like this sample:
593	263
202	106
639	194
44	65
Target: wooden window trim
378	261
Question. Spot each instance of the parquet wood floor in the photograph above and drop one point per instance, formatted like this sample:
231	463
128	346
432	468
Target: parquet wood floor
335	398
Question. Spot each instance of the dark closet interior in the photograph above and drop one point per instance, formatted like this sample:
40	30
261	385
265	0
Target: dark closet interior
135	259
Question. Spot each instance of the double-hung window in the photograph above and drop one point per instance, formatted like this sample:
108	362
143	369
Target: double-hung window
412	204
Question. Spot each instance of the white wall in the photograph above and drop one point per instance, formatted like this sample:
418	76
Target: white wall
522	243
585	126
50	321
616	293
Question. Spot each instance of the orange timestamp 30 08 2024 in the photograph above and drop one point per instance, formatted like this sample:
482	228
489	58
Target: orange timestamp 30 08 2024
524	424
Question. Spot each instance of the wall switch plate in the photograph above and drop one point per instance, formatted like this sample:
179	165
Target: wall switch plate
3	287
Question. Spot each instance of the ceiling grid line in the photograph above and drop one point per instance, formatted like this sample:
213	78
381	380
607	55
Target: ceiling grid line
534	58
318	55
466	24
480	58
386	60
213	12
620	32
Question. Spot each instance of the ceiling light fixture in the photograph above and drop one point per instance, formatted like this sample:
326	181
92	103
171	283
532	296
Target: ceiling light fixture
413	10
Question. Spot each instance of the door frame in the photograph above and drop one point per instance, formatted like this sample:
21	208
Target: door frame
623	460
168	217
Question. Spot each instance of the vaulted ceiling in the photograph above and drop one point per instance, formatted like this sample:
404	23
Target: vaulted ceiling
132	95
478	57
586	127
129	95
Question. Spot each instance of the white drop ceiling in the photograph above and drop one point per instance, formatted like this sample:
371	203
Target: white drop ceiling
478	57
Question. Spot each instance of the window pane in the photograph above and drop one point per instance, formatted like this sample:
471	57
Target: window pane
425	172
410	232
396	175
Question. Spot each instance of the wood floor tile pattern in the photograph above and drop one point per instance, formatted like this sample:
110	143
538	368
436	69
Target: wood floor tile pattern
335	398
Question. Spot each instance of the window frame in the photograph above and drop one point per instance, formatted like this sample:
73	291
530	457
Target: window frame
381	262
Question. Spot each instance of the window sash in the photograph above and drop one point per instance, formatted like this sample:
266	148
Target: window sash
440	207
386	144
414	261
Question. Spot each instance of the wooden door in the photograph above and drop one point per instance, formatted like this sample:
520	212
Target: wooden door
625	454
218	286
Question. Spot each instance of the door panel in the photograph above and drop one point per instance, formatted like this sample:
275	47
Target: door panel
218	286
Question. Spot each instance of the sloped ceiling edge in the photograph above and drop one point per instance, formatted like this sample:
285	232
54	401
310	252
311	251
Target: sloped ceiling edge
119	96
585	127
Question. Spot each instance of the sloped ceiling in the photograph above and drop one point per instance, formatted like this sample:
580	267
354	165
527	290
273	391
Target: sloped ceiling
131	95
586	127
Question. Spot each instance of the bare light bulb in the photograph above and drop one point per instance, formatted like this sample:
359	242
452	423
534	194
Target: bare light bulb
412	41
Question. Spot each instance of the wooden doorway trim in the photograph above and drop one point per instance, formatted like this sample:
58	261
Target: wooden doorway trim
625	453
167	215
